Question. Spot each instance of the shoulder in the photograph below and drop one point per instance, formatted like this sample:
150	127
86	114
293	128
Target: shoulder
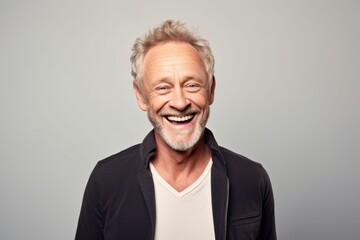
237	160
121	157
242	168
113	176
119	164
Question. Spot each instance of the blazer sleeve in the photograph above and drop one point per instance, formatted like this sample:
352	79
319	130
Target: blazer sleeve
90	224
267	227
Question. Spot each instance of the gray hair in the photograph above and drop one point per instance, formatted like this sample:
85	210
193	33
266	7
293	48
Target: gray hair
170	30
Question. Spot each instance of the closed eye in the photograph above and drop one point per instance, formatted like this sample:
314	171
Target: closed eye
192	87
162	89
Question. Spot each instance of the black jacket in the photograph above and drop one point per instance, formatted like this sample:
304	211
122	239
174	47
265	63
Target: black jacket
119	199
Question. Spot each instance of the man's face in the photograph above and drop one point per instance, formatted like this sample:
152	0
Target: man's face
176	94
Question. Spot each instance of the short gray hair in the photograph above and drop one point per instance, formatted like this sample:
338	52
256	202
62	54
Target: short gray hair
168	31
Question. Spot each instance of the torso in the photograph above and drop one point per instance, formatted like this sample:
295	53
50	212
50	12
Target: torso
186	214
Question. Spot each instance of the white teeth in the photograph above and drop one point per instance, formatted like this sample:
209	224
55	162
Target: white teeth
180	119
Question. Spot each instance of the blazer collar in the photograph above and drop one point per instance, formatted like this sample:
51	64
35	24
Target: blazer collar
148	148
219	182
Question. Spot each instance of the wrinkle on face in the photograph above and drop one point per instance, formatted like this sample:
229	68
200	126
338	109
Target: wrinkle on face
175	84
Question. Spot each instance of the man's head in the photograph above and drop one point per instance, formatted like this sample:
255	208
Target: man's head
169	31
173	81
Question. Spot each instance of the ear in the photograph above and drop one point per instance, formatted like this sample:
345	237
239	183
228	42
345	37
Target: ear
212	90
139	97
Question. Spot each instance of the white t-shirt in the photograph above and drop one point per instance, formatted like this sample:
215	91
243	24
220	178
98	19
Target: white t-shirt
185	215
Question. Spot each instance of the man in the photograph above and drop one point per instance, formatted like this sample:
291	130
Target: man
178	183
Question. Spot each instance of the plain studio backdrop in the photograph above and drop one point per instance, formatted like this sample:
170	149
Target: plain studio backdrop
288	96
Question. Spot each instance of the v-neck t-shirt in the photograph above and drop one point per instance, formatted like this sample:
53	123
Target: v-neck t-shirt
185	215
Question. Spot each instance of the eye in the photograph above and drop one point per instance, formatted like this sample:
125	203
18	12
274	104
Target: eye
162	89
193	87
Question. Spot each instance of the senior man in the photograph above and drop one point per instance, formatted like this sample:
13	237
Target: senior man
178	183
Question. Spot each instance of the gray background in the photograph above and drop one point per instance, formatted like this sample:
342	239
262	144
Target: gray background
288	96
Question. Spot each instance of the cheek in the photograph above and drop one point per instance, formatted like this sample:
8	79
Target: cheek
201	98
156	103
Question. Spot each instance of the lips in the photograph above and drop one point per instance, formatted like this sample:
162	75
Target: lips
180	119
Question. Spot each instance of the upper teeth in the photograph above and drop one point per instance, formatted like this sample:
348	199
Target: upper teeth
180	119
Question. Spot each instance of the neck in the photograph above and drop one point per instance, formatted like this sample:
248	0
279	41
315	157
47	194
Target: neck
181	168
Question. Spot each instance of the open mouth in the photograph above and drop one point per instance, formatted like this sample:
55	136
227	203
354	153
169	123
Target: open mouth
183	119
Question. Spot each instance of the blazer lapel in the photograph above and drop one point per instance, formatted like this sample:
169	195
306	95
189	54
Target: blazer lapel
147	188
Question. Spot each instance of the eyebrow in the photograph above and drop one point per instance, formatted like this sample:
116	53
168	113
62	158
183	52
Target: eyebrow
197	78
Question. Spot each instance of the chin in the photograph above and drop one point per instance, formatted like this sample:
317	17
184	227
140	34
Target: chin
182	145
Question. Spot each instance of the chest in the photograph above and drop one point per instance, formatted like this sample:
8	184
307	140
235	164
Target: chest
186	214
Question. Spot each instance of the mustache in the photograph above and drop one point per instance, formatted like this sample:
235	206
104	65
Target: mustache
174	112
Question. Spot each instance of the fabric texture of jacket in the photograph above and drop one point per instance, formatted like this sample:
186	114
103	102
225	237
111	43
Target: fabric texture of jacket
119	199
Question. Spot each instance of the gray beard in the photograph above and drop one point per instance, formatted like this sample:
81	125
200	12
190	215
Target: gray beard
180	146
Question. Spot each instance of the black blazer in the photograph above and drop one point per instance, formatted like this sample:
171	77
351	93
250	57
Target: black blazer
119	199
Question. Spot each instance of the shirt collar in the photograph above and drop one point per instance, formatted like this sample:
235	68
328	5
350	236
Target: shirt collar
148	147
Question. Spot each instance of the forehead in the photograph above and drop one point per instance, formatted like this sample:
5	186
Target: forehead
173	56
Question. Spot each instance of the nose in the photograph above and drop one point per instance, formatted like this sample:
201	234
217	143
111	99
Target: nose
179	100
